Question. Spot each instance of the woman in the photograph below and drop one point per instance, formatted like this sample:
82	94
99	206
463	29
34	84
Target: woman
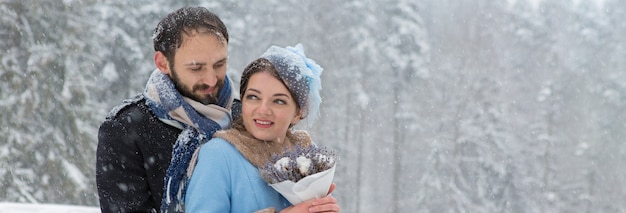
277	91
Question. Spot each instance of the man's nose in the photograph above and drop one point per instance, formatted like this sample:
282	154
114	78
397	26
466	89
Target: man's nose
209	77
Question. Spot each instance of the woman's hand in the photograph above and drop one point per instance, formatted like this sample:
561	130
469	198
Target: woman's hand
325	204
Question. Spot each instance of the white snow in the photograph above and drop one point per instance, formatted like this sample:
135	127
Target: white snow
44	208
75	174
109	72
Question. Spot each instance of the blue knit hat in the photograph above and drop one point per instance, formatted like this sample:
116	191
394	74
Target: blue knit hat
301	75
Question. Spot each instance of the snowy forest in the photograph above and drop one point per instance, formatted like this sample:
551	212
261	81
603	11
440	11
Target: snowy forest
432	105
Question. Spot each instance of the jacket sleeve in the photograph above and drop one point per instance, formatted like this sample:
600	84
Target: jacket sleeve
120	173
210	185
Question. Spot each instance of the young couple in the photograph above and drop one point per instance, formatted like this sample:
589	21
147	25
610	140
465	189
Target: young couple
149	145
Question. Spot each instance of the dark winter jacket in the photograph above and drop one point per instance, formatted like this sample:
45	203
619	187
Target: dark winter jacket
133	154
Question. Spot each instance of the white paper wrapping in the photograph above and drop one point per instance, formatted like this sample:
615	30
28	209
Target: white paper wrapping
312	186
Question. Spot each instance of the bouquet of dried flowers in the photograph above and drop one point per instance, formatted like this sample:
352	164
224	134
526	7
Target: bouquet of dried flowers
302	173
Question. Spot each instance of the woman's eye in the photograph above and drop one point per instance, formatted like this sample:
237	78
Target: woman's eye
252	97
281	102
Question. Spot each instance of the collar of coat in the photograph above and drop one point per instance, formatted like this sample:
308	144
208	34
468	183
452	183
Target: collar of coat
259	152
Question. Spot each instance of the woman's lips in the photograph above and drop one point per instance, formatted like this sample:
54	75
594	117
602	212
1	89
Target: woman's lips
263	123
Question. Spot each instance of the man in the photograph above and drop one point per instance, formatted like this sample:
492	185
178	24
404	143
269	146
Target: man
188	94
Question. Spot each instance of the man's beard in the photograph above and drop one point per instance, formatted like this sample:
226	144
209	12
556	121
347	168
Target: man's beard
206	99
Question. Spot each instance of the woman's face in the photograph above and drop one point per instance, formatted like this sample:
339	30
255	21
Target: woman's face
268	108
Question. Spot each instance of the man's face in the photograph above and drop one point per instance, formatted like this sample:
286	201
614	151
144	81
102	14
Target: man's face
199	66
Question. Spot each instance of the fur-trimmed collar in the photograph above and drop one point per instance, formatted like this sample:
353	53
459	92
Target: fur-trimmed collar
258	152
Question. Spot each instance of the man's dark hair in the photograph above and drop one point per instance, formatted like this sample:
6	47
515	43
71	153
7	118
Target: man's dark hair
168	33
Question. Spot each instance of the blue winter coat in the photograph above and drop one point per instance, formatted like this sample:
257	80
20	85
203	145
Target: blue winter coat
225	181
